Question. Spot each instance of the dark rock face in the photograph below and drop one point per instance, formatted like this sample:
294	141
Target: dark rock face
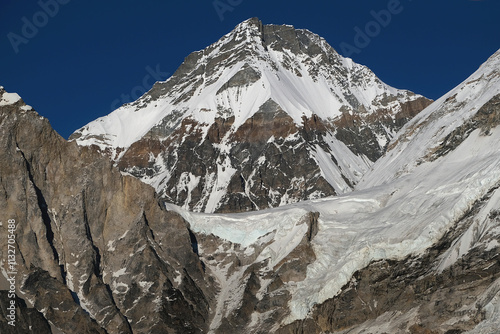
246	76
269	160
96	253
252	291
360	132
60	298
27	318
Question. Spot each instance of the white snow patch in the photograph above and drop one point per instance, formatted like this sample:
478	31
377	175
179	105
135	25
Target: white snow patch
178	278
492	245
390	221
490	300
120	272
146	285
9	98
119	288
111	246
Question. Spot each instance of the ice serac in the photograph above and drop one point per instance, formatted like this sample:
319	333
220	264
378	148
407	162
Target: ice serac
266	116
95	251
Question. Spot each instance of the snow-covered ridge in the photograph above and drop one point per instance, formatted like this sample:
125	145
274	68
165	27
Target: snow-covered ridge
7	99
427	130
205	110
392	221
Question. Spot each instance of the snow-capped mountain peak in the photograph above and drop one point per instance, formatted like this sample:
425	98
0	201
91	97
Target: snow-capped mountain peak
295	68
246	81
12	99
413	249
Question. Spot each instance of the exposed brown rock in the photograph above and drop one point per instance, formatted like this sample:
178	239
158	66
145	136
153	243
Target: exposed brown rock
96	250
263	125
231	167
219	129
264	295
359	131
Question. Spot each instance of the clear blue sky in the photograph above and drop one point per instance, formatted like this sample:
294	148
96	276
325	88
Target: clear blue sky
73	60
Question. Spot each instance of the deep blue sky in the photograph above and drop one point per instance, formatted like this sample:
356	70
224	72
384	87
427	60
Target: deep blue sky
85	58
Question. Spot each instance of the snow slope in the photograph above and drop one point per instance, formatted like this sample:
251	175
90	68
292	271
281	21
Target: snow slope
419	137
392	221
7	99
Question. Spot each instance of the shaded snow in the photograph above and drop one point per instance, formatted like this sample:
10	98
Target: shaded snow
429	128
402	206
490	301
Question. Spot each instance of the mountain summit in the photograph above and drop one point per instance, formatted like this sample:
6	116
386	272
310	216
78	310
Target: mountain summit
268	115
414	248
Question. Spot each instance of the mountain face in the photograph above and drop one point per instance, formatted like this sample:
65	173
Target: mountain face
266	116
95	251
414	248
431	262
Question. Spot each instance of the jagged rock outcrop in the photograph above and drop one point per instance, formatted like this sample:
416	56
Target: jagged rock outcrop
414	250
486	118
269	115
96	252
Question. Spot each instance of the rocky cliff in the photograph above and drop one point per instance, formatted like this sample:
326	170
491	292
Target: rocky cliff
95	251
